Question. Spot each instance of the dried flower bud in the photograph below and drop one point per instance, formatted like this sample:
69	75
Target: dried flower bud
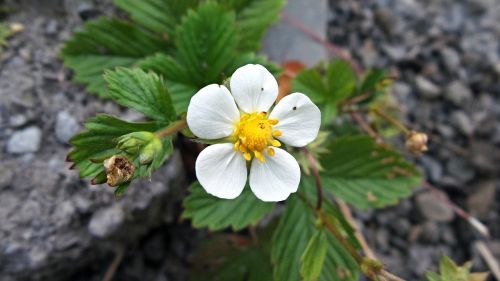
416	142
118	170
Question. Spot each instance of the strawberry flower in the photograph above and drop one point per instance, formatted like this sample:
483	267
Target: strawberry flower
251	134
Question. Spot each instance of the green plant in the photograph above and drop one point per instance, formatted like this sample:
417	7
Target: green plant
159	62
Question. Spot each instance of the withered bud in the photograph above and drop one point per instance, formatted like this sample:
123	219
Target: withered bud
416	142
118	170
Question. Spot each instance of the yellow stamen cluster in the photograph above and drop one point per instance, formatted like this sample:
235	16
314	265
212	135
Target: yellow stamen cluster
254	135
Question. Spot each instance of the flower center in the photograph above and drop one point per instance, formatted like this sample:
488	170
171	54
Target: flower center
254	135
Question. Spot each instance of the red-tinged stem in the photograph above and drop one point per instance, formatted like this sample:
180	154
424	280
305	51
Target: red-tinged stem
319	186
339	52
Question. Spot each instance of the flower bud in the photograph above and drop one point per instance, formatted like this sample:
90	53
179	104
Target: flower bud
416	142
132	143
149	151
118	170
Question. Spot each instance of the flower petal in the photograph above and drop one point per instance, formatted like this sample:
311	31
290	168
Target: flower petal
222	171
299	119
212	113
276	178
254	88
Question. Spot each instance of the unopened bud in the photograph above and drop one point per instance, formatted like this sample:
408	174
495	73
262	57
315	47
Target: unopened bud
149	151
416	142
132	143
118	170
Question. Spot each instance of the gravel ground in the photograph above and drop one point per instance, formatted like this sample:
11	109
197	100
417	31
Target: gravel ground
446	56
57	227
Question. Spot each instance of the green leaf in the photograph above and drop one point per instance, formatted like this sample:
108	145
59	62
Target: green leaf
176	77
206	210
144	92
450	271
341	81
371	80
328	90
253	17
310	82
366	174
98	142
5	32
233	257
314	256
295	229
206	42
106	44
161	16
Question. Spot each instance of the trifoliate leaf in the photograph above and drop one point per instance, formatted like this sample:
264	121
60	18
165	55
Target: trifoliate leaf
206	210
366	174
233	257
341	81
314	256
450	271
161	16
206	42
310	82
253	18
144	92
105	44
295	229
327	91
179	85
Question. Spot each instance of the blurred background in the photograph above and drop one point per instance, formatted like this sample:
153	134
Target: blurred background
444	55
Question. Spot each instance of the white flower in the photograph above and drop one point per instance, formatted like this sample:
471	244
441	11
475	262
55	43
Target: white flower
253	135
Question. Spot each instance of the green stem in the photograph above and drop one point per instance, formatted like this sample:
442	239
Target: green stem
319	187
391	120
172	129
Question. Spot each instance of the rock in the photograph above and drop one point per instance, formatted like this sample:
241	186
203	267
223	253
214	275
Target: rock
433	168
51	27
17	120
484	156
430	232
426	88
495	138
396	53
458	93
421	258
451	59
24	141
433	209
66	126
481	200
282	42
462	122
446	131
460	169
382	238
107	221
400	226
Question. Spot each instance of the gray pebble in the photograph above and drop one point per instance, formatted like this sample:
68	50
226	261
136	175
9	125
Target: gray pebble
433	209
462	122
458	93
107	221
426	88
66	126
25	141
